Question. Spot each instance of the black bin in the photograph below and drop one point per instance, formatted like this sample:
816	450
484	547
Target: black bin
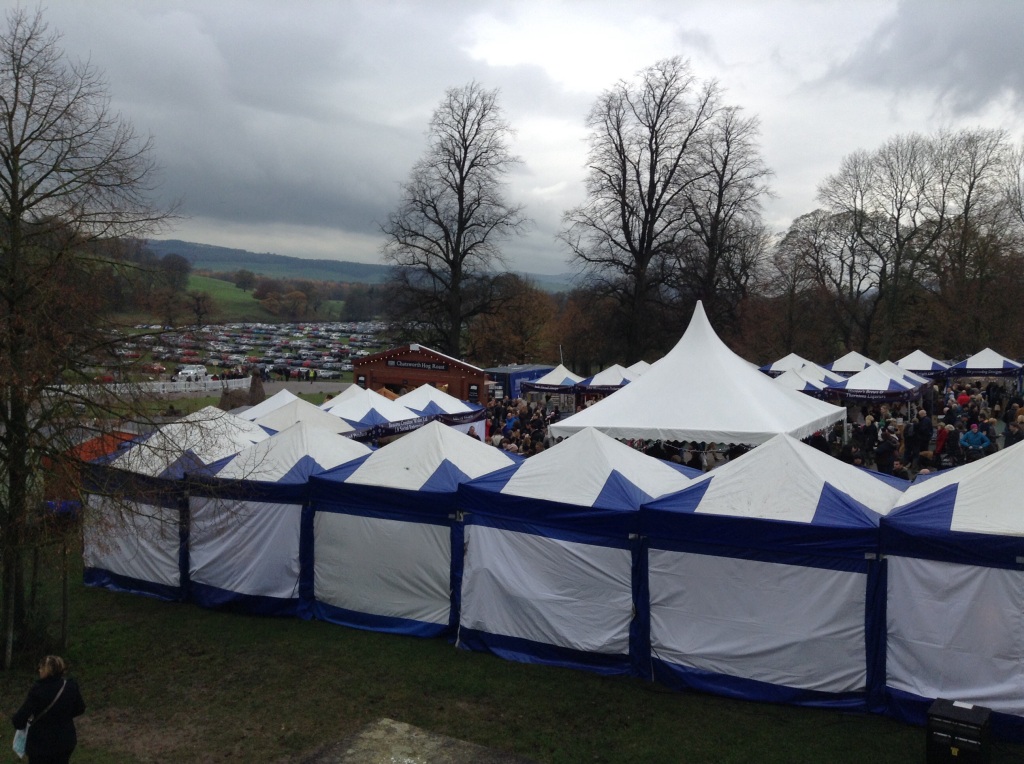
959	733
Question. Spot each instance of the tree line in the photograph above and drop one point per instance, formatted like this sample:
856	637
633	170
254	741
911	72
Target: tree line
915	243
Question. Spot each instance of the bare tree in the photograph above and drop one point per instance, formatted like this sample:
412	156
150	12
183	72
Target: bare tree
444	238
897	200
724	245
73	177
645	155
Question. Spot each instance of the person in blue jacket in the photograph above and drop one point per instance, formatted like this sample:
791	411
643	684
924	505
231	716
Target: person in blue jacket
50	708
974	442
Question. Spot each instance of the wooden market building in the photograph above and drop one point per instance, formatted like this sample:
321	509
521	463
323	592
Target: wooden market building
403	369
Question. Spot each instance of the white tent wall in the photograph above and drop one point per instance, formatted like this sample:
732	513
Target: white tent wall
388	568
740	618
134	549
956	631
566	594
245	552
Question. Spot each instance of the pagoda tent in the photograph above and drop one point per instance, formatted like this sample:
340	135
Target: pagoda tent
550	548
850	364
954	546
987	363
639	368
898	372
607	381
244	533
385	532
765	582
138	543
795	380
820	373
701	391
273	403
923	364
875	384
558	380
428	401
299	410
368	411
789	362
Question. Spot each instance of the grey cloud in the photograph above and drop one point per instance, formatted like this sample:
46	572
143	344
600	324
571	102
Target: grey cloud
967	53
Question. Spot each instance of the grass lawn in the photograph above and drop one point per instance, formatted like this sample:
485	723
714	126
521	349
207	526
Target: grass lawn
234	305
167	682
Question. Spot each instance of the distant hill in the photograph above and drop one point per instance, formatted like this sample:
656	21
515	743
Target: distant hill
225	260
209	257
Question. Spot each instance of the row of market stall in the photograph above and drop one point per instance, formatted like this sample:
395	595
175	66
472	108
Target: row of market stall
784	575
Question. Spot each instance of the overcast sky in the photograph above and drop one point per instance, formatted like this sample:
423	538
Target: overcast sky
288	127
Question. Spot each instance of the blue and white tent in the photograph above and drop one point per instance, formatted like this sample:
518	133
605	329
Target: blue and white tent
788	362
876	384
138	543
550	547
385	532
244	532
795	380
987	363
366	409
607	380
850	364
921	363
954	546
273	403
559	379
764	581
428	401
299	410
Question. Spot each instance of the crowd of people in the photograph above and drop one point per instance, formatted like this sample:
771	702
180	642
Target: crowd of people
952	426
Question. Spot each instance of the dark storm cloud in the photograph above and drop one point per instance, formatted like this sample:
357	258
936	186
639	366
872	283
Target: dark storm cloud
967	53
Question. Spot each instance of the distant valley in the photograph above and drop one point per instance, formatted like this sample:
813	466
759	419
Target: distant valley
207	257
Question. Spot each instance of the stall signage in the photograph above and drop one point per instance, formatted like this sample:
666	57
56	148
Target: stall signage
425	365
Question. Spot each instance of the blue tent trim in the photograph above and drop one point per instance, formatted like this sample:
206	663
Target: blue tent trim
679	677
383	623
105	579
529	651
223	599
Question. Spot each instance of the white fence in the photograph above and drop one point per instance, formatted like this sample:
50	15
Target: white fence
159	388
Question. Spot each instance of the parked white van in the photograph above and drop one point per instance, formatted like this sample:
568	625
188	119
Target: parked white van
191	373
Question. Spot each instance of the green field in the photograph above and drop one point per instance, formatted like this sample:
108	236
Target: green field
168	682
233	305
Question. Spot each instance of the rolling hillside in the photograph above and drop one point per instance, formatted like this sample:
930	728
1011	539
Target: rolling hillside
225	260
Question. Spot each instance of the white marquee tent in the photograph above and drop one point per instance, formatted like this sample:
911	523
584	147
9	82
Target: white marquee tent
702	391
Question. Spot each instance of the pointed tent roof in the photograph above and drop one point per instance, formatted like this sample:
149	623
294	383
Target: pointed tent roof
299	410
557	377
702	391
969	513
987	363
786	363
920	362
273	403
427	400
787	480
874	383
851	363
638	368
433	458
588	470
814	371
201	438
898	372
614	376
365	408
293	455
794	379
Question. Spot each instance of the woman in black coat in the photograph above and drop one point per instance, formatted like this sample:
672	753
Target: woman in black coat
51	706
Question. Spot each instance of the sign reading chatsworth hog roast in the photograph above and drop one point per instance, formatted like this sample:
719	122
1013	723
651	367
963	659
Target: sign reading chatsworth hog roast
425	365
